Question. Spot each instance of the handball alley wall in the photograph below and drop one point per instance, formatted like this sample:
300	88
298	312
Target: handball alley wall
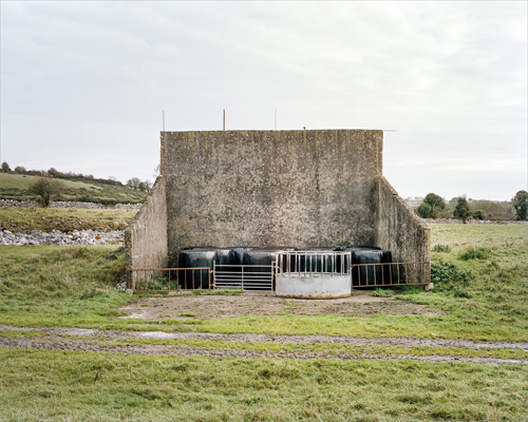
294	188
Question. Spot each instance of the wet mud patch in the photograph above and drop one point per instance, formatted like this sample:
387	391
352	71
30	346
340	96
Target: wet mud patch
361	304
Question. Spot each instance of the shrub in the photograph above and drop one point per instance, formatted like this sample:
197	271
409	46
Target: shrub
433	206
479	215
476	253
449	277
46	188
462	210
520	203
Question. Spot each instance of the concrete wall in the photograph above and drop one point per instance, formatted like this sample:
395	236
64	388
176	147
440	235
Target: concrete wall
399	229
271	188
146	235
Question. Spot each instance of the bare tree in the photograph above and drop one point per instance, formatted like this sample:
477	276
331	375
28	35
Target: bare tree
134	183
46	188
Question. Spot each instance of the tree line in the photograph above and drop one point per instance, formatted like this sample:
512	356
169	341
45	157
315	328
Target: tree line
434	206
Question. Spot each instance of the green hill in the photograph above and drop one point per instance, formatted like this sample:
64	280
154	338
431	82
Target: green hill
108	192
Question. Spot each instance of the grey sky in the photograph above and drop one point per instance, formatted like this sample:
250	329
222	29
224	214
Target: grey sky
83	83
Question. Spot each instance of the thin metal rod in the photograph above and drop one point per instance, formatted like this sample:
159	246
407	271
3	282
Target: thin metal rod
224	120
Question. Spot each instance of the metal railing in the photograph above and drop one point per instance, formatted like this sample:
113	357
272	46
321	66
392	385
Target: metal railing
391	274
261	277
310	262
169	279
243	277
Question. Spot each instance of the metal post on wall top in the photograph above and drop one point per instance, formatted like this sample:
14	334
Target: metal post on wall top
224	120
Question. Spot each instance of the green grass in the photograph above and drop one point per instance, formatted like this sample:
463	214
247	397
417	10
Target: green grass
64	219
73	386
478	234
54	285
18	187
484	298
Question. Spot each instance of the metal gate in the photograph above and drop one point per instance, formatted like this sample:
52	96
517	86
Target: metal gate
243	277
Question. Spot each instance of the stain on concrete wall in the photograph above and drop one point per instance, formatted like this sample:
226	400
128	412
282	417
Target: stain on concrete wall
400	230
146	234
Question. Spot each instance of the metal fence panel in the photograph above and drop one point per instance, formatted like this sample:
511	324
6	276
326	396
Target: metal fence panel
168	279
243	277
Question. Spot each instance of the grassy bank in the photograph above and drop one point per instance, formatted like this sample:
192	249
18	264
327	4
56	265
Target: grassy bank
64	219
18	187
60	285
59	386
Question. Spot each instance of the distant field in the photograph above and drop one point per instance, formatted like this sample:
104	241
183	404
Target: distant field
463	234
64	219
18	187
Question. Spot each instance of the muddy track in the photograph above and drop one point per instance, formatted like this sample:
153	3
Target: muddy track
101	341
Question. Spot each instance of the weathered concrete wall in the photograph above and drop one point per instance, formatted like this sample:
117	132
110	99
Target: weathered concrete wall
271	188
146	234
399	229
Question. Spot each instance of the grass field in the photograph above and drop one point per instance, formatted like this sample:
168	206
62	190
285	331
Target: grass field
66	386
64	219
481	283
18	187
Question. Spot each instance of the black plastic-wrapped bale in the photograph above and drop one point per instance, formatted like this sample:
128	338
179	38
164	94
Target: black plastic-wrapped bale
257	264
225	256
238	254
372	269
196	258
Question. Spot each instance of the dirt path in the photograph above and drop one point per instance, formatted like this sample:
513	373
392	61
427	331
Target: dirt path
361	304
102	341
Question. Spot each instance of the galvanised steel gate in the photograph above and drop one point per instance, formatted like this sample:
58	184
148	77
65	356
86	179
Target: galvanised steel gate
244	277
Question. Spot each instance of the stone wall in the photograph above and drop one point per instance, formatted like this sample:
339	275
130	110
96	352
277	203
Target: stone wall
5	203
271	188
399	229
146	234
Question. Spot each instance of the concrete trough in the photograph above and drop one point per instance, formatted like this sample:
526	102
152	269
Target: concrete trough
313	285
321	273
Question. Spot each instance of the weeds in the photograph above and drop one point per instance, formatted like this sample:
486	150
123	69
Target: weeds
441	248
379	292
476	253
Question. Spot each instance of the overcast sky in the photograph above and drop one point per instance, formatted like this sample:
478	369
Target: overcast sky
84	83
